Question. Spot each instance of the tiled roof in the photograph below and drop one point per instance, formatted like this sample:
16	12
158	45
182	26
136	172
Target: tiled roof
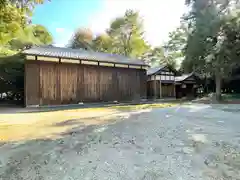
154	70
52	51
183	77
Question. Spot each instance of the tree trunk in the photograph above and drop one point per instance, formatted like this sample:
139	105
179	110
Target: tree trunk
218	81
205	88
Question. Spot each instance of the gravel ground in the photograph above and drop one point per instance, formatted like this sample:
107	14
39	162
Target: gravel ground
188	142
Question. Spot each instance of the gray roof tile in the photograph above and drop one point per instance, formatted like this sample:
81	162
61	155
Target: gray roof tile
80	54
151	71
183	77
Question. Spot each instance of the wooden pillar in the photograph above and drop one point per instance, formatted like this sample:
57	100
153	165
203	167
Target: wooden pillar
160	82
193	91
25	83
174	90
155	87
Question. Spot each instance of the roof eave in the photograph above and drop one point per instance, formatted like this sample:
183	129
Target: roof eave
156	71
133	64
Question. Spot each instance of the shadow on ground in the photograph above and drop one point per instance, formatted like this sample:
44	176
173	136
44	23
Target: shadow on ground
35	154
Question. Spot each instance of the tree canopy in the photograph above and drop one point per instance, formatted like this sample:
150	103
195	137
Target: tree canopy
16	33
124	36
16	30
212	46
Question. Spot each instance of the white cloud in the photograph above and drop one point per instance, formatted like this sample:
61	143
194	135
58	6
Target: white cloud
59	45
160	16
62	37
60	30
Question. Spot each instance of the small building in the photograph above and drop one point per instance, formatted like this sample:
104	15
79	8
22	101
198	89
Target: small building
186	85
55	76
160	83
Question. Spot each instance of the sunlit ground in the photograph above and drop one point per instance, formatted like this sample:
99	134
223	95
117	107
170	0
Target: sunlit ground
37	125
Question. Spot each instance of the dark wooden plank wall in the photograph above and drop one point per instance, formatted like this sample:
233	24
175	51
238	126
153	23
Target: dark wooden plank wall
106	91
167	89
72	83
143	83
189	91
68	83
91	84
151	91
32	78
48	83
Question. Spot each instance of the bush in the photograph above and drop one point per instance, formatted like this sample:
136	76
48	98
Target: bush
12	78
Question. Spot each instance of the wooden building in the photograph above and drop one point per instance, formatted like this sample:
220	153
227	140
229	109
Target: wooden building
55	76
164	82
186	85
160	83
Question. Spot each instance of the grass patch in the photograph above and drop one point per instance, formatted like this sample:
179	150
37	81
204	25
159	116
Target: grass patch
27	126
143	106
50	124
231	96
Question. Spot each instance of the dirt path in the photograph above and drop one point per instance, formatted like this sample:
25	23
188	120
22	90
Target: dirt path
191	142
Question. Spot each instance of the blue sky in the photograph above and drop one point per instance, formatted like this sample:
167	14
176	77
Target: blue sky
62	17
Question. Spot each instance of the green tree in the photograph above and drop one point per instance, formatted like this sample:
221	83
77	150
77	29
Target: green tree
208	45
10	23
42	34
31	35
15	32
102	43
24	5
127	35
157	56
177	39
171	52
20	9
82	38
175	46
154	57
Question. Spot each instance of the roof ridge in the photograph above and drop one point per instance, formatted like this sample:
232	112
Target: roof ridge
67	52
